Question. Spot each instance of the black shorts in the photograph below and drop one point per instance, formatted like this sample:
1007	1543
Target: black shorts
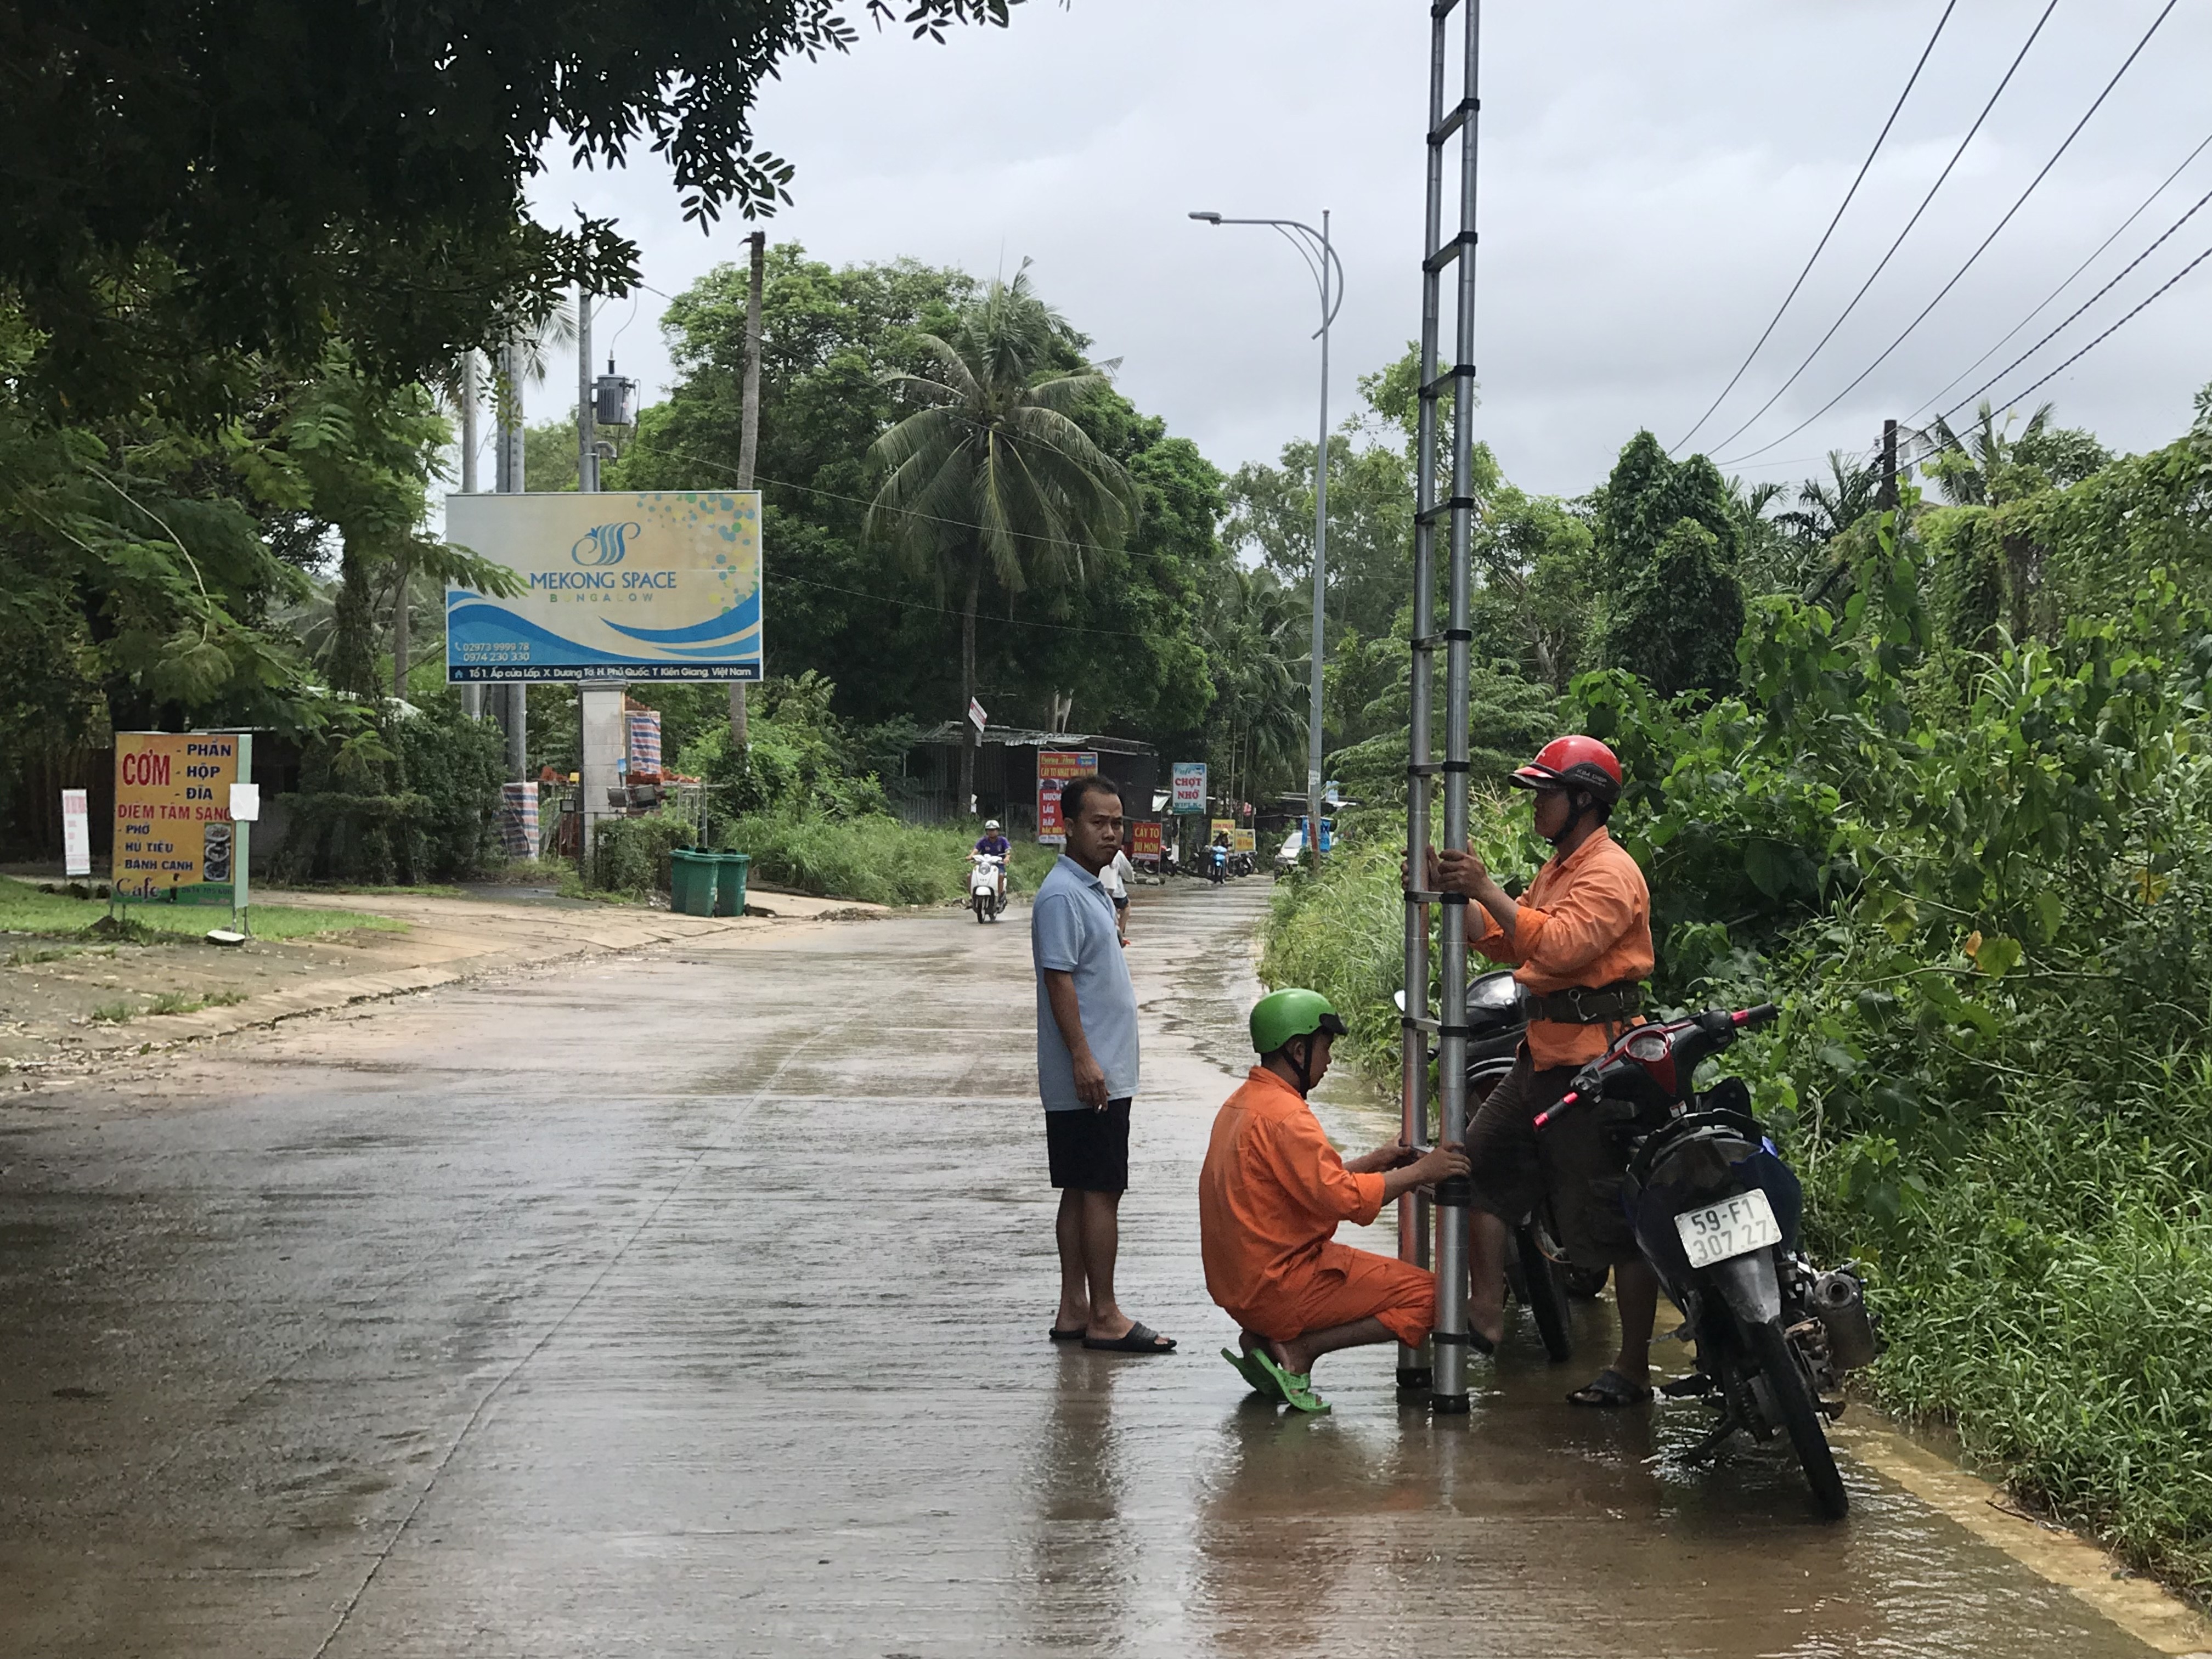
1090	1151
1573	1163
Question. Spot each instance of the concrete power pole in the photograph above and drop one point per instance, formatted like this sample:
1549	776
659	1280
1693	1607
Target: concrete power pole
509	480
749	444
471	395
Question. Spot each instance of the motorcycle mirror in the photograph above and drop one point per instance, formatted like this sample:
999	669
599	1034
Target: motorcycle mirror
1398	996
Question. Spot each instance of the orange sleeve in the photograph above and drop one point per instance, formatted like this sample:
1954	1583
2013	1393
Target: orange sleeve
1312	1177
1592	916
1492	941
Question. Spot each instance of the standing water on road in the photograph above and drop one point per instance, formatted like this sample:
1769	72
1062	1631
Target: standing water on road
695	1303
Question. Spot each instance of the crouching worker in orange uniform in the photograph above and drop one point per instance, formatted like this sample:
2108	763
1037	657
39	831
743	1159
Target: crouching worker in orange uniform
1269	1198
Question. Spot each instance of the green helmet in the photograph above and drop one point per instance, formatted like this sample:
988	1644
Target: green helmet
1292	1012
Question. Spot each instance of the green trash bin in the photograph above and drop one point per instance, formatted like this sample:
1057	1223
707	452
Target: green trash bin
730	882
691	881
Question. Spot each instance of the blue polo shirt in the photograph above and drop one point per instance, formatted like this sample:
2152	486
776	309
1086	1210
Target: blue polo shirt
1072	931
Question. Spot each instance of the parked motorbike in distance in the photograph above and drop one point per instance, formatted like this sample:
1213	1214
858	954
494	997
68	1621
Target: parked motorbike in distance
987	885
1716	1211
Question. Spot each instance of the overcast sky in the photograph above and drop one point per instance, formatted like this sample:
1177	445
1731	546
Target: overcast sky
1653	176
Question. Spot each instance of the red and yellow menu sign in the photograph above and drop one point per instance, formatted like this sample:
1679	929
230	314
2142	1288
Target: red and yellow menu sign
172	824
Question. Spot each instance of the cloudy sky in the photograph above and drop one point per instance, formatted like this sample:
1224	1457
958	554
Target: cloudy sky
1653	177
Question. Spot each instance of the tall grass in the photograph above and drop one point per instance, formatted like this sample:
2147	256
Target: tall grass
876	859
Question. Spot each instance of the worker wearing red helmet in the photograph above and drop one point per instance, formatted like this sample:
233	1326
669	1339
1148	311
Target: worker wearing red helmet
1580	941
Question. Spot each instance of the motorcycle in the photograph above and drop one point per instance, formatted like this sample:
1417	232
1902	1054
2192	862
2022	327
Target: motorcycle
1716	1212
987	885
1217	863
1538	1274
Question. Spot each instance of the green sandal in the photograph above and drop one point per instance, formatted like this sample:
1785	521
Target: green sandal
1297	1385
1248	1367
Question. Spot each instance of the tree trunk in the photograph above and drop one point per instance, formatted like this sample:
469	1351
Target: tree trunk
969	733
400	624
749	450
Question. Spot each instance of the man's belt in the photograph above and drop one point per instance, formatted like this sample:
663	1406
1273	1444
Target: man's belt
1582	1004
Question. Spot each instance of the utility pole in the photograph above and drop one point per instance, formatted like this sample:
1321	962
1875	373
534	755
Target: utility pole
587	437
509	481
472	395
1888	499
748	447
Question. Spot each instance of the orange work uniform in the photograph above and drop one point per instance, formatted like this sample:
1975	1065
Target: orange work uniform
1270	1195
1585	921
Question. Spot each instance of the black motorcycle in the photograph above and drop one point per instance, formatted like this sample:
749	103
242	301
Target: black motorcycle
1538	1274
1716	1211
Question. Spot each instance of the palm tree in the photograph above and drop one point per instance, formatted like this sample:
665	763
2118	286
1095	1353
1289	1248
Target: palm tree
1968	468
1826	508
993	476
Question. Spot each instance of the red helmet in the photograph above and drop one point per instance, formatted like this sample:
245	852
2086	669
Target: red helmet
1575	763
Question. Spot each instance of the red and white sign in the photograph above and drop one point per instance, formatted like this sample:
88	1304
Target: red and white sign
1054	768
976	717
1144	839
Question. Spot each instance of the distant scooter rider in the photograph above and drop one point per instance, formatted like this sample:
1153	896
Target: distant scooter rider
1218	855
1580	939
996	845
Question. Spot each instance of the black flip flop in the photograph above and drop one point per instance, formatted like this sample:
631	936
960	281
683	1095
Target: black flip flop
1059	1336
1609	1391
1137	1338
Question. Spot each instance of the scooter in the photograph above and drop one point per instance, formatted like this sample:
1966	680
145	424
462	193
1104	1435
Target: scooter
1716	1211
987	885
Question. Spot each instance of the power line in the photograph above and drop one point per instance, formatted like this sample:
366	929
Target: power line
2142	208
2038	385
1961	273
1947	166
2077	310
1772	322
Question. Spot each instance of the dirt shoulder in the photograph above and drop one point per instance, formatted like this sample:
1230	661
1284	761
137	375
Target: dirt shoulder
69	1005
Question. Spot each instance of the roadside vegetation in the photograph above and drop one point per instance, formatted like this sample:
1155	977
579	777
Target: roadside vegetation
28	909
1957	819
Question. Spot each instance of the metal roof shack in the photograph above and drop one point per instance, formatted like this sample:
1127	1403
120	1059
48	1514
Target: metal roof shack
1007	773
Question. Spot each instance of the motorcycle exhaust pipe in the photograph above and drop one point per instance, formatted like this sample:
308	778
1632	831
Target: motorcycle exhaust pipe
1839	1304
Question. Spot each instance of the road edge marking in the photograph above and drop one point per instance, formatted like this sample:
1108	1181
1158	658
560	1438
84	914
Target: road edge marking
2141	1606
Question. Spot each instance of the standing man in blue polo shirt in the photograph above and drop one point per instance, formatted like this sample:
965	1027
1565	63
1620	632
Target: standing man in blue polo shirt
1087	1067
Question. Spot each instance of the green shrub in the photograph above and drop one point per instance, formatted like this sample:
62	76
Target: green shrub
631	855
876	858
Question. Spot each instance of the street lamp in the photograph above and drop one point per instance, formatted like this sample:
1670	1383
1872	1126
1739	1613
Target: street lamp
1313	247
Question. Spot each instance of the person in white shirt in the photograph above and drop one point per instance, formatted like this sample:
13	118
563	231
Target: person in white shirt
1117	876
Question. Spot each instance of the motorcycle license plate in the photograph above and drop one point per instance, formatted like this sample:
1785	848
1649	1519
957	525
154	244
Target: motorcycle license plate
1734	1226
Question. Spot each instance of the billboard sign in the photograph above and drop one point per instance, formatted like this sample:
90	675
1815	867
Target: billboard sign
1188	781
1054	768
625	586
1243	841
172	825
1144	839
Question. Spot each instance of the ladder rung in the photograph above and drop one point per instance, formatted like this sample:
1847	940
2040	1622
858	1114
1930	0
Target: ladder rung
1444	509
1423	768
1442	9
1427	641
1434	389
1453	122
1451	251
1415	896
1417	1021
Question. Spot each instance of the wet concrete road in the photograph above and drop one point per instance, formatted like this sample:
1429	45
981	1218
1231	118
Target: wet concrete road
694	1303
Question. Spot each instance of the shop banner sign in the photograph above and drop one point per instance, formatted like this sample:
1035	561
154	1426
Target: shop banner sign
1243	841
1144	839
172	825
1054	768
1188	780
626	585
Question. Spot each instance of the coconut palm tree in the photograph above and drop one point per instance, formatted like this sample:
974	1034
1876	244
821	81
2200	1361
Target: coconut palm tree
1968	468
992	475
1826	508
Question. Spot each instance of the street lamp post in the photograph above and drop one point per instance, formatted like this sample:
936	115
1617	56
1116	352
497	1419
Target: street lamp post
1313	247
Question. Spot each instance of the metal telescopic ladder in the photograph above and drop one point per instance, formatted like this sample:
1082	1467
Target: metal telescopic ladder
1446	253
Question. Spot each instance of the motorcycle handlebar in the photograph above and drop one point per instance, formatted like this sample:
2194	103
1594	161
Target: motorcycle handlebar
1759	1016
